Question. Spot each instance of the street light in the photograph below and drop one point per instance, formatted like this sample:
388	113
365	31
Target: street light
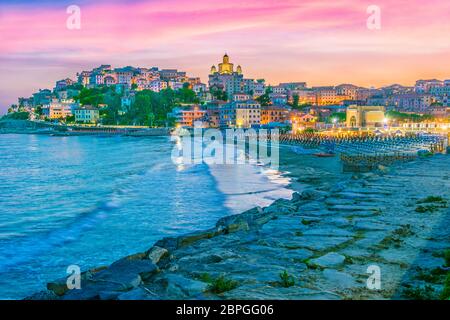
335	120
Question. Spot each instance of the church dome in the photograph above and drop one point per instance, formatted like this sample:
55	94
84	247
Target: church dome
226	58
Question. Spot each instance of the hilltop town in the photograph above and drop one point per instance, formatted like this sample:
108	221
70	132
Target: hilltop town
155	97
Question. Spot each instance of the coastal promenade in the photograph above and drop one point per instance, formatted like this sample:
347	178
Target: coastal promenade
41	127
318	245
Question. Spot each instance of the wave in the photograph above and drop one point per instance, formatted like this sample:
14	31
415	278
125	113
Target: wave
21	249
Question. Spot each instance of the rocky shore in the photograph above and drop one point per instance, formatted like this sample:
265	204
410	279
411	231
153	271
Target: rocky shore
318	245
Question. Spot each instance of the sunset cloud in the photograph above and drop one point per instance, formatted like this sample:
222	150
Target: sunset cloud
321	42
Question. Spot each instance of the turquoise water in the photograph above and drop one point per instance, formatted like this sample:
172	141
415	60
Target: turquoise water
92	200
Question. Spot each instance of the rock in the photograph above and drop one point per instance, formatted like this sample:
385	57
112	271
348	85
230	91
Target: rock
136	294
59	287
177	284
169	243
312	194
330	260
350	208
328	231
157	253
309	242
214	255
338	279
108	295
334	201
143	268
296	197
196	236
43	295
266	292
371	226
136	256
122	275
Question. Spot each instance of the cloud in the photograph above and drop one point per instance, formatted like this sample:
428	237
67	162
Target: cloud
314	41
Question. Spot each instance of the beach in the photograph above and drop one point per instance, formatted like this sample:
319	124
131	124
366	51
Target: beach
323	243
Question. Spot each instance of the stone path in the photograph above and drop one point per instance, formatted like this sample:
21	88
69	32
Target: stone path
323	241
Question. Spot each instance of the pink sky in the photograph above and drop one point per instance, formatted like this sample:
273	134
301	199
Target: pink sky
320	42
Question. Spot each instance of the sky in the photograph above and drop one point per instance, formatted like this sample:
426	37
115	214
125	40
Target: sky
321	42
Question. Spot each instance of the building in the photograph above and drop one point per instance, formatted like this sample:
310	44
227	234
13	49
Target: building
365	116
63	84
87	114
424	86
348	90
274	113
240	114
188	117
300	120
213	112
224	77
240	96
278	99
42	97
84	78
328	96
59	110
412	102
157	85
173	75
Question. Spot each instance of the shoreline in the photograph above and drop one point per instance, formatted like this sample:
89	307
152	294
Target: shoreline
325	237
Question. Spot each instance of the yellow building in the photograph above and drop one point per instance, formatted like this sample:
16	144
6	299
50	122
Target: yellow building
365	116
240	114
226	67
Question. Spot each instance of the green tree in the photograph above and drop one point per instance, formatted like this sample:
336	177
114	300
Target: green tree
264	99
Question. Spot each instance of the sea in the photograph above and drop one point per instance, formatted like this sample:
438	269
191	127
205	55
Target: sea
91	200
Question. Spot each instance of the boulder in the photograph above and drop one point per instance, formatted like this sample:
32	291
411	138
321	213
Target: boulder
178	285
59	287
155	254
312	194
330	260
144	268
196	236
136	294
338	279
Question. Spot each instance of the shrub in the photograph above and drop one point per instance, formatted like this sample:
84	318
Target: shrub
447	258
221	284
206	277
432	199
445	295
420	293
287	280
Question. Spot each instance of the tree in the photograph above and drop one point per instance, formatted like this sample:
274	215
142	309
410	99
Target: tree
295	101
187	95
264	99
38	110
219	94
339	116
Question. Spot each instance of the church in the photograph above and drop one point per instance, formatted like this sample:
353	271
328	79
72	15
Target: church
225	67
226	78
